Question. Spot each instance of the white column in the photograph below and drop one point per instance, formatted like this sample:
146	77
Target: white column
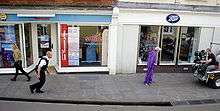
112	49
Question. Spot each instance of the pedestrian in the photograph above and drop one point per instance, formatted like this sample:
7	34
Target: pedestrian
18	63
41	73
152	55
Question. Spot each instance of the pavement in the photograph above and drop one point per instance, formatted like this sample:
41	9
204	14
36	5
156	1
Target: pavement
168	89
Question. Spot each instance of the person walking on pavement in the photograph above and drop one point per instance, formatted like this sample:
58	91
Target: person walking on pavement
152	55
41	73
18	63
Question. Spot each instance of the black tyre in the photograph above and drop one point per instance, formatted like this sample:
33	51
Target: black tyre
216	83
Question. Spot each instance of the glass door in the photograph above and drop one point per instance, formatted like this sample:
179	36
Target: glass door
37	41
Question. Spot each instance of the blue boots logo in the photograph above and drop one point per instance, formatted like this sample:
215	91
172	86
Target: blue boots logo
173	18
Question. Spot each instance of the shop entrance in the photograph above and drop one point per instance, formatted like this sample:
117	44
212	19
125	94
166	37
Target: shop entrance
39	38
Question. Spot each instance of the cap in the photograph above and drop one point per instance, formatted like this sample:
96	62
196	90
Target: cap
158	48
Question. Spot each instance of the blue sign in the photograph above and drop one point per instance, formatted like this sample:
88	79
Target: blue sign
173	18
64	17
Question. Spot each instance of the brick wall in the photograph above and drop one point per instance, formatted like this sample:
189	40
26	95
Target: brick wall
59	2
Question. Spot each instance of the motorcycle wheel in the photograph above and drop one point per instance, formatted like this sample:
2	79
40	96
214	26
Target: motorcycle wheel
216	83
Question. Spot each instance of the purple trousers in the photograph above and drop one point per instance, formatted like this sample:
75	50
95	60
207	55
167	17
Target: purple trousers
149	74
150	66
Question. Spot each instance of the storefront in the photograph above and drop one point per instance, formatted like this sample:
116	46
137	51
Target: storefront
78	39
178	32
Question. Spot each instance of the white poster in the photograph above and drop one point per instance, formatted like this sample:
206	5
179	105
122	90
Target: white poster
73	45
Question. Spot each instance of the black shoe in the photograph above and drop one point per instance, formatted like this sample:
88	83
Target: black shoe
39	91
29	79
13	79
31	89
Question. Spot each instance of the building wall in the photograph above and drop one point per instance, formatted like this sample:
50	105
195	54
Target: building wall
158	17
59	2
216	40
205	38
187	2
127	49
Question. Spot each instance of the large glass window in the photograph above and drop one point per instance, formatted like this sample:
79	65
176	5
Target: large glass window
83	45
178	43
28	44
169	44
149	37
188	44
9	34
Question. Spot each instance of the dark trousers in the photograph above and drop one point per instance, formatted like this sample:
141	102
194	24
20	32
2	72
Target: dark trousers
18	66
40	84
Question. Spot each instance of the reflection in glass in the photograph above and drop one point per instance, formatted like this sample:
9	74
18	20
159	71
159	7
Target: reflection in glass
169	39
148	40
187	44
9	34
44	38
28	44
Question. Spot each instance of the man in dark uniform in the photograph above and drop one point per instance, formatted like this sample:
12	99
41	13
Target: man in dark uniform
41	73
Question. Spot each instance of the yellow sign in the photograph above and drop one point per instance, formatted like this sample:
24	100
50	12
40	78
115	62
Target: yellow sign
3	16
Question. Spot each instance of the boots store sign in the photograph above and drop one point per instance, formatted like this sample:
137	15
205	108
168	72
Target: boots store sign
173	18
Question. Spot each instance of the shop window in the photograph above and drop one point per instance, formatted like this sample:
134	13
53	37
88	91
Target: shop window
148	40
188	44
9	34
83	45
169	44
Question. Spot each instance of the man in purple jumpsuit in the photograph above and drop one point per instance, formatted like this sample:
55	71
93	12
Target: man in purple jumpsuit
152	55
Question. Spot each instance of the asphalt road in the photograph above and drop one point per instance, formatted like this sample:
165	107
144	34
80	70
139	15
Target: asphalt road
36	106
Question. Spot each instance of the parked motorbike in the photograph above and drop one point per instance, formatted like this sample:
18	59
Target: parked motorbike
211	78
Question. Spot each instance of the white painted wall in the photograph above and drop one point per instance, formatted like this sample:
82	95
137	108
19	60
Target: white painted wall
127	49
216	39
205	38
158	17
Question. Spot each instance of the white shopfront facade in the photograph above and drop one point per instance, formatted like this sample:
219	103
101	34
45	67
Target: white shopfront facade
130	22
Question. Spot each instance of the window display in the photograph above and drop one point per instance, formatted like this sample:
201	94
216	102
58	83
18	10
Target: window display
148	40
9	34
83	45
169	40
173	52
187	44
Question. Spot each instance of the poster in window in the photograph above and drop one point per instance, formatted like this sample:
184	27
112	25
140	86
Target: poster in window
44	41
73	46
63	44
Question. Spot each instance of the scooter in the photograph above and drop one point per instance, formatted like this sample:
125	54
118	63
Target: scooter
211	78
